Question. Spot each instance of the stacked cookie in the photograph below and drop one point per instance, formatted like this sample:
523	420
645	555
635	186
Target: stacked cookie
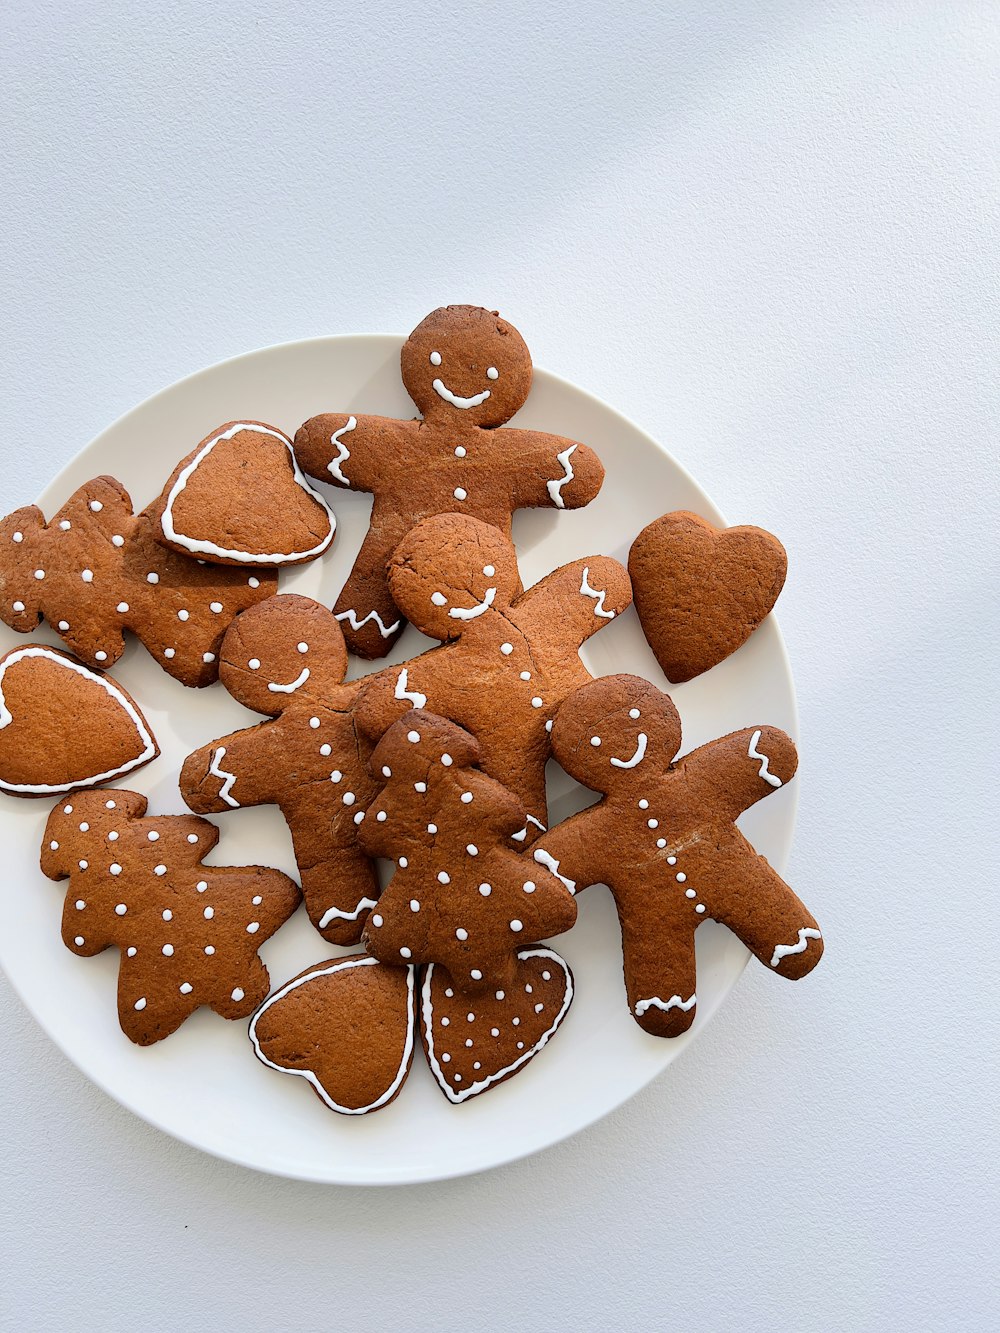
436	765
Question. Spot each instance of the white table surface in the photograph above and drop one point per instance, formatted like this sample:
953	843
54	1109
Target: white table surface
765	231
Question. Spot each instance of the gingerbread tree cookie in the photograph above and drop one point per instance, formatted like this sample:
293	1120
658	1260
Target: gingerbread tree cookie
240	499
468	371
286	658
508	660
461	895
664	840
97	570
188	933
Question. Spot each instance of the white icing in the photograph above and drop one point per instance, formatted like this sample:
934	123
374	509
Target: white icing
492	373
555	487
754	753
427	1016
300	679
520	837
227	778
806	933
351	616
44	788
470	612
403	692
343	453
637	758
442	390
203	547
551	864
308	1074
597	594
435	358
654	1002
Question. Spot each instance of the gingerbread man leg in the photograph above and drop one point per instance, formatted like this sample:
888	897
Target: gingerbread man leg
768	917
659	963
369	617
339	892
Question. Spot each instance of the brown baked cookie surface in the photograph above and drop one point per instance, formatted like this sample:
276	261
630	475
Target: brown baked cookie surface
508	658
474	1042
239	498
346	1026
701	591
461	895
665	842
286	658
97	570
188	933
468	371
63	726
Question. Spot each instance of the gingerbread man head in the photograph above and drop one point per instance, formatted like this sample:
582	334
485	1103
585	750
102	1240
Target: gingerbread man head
615	725
283	650
451	570
463	363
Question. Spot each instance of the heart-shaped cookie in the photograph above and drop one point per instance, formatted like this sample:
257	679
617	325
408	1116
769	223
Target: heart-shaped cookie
474	1042
346	1027
63	726
240	499
701	591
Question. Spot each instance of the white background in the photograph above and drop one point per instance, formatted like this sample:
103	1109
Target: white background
767	232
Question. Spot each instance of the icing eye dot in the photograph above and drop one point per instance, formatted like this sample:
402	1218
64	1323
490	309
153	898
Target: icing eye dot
476	975
192	837
140	1003
633	713
101	657
433	828
528	886
420	787
460	493
210	949
79	940
314	723
402	863
64	625
501	994
506	649
152	578
472	849
405	953
489	571
595	740
413	737
381	816
208	657
18	606
376	920
65	524
96	506
168	915
700	908
19	536
254	664
414	905
461	934
336	775
185	988
439	599
681	878
153	836
447	760
168	652
121	909
690	893
183	615
386	771
435	358
466	797
253	927
492	373
40	574
253	583
515	926
536	702
116	540
202	885
116	869
237	994
444	877
215	606
661	842
326	750
122	607
349	798
486	889
302	647
167	951
460	451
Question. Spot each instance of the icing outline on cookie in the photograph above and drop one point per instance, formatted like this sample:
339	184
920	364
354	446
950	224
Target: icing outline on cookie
351	616
300	679
201	547
227	779
442	390
308	1074
654	1002
403	692
638	757
338	913
343	453
6	717
754	753
550	863
471	612
598	595
427	1014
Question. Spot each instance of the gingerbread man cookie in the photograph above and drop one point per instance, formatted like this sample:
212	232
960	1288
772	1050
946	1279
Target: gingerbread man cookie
664	840
508	660
97	570
701	591
188	933
63	727
461	895
286	658
468	371
239	498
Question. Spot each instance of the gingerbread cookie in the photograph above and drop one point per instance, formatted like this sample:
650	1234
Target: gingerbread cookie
508	660
468	371
346	1026
239	498
97	570
701	591
461	896
474	1042
286	658
188	933
664	840
63	727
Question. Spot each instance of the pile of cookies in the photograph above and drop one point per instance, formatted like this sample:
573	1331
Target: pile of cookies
436	765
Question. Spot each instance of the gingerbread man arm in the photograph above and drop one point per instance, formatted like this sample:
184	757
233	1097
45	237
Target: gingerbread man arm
350	451
574	602
738	770
553	472
244	768
572	850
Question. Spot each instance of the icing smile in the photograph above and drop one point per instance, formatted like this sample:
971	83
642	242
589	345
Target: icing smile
300	679
637	758
442	390
470	612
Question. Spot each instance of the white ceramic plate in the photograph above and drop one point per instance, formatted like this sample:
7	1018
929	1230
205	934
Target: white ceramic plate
203	1084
